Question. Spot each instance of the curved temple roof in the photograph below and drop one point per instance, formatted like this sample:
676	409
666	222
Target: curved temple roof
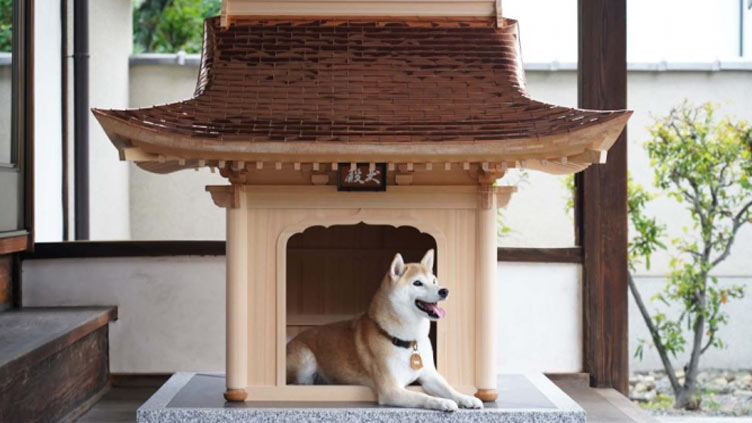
362	89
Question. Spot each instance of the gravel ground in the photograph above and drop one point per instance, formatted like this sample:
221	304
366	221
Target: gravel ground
724	393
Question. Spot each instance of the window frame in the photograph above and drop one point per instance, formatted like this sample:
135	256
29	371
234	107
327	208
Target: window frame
22	119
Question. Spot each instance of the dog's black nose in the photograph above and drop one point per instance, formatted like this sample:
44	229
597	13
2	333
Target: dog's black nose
443	292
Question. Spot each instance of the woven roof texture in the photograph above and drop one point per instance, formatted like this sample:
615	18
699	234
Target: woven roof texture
360	80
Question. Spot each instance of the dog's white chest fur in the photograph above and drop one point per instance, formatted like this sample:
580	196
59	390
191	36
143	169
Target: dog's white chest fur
399	362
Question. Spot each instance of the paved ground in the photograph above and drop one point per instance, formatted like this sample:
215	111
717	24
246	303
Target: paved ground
702	419
119	405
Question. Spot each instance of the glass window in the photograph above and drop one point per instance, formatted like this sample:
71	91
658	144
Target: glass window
6	80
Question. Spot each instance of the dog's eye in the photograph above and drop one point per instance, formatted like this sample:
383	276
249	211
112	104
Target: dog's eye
418	283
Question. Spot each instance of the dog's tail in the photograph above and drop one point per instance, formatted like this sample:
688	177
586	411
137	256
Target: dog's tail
301	364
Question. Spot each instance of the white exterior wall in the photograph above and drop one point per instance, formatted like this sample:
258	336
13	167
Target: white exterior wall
110	45
172	310
48	148
664	30
541	317
173	206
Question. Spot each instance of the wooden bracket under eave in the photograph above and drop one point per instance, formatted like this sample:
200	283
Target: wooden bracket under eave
503	195
320	178
403	179
489	175
136	154
226	196
589	156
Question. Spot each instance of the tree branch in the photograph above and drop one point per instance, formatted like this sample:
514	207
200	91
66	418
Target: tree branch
739	220
712	331
655	335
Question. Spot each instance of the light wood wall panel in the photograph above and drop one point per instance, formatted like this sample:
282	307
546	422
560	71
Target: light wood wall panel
273	221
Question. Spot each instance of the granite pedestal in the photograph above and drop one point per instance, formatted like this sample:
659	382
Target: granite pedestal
197	397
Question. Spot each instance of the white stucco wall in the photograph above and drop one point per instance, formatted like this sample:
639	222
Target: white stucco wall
171	310
48	165
650	94
110	45
540	306
653	94
173	206
549	29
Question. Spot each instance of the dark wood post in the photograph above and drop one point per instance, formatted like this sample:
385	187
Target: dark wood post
601	196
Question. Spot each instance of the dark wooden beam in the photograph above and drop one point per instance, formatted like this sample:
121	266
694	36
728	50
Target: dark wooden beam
601	192
540	255
81	249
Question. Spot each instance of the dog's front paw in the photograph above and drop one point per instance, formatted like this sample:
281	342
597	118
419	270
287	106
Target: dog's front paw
442	404
466	401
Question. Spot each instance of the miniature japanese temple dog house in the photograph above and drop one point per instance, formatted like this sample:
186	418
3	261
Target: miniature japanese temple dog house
426	108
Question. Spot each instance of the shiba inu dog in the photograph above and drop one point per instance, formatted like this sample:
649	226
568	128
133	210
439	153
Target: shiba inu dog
387	348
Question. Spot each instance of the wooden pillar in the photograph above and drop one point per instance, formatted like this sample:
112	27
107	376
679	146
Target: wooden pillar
601	196
237	299
486	317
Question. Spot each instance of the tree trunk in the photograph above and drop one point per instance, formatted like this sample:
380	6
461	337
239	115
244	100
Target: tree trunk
684	393
662	353
686	398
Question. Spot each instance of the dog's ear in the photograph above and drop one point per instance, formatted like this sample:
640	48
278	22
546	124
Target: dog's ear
397	267
427	260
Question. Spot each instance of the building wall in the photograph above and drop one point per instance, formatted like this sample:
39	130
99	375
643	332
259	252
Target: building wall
548	30
173	206
110	39
172	310
48	147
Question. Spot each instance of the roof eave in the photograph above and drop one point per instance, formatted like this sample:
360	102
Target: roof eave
563	153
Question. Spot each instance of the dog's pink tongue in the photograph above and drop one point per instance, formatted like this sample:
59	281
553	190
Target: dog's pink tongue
437	310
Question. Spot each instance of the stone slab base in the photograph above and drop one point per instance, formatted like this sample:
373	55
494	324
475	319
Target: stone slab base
192	397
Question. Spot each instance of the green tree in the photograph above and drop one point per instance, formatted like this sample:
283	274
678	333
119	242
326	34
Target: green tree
707	167
6	25
169	26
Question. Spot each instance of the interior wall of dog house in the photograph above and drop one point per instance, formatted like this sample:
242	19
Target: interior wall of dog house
332	273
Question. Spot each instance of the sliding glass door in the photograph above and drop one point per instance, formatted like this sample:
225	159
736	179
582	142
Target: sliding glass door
15	115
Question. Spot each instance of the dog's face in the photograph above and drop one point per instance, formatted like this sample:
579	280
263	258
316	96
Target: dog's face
414	288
